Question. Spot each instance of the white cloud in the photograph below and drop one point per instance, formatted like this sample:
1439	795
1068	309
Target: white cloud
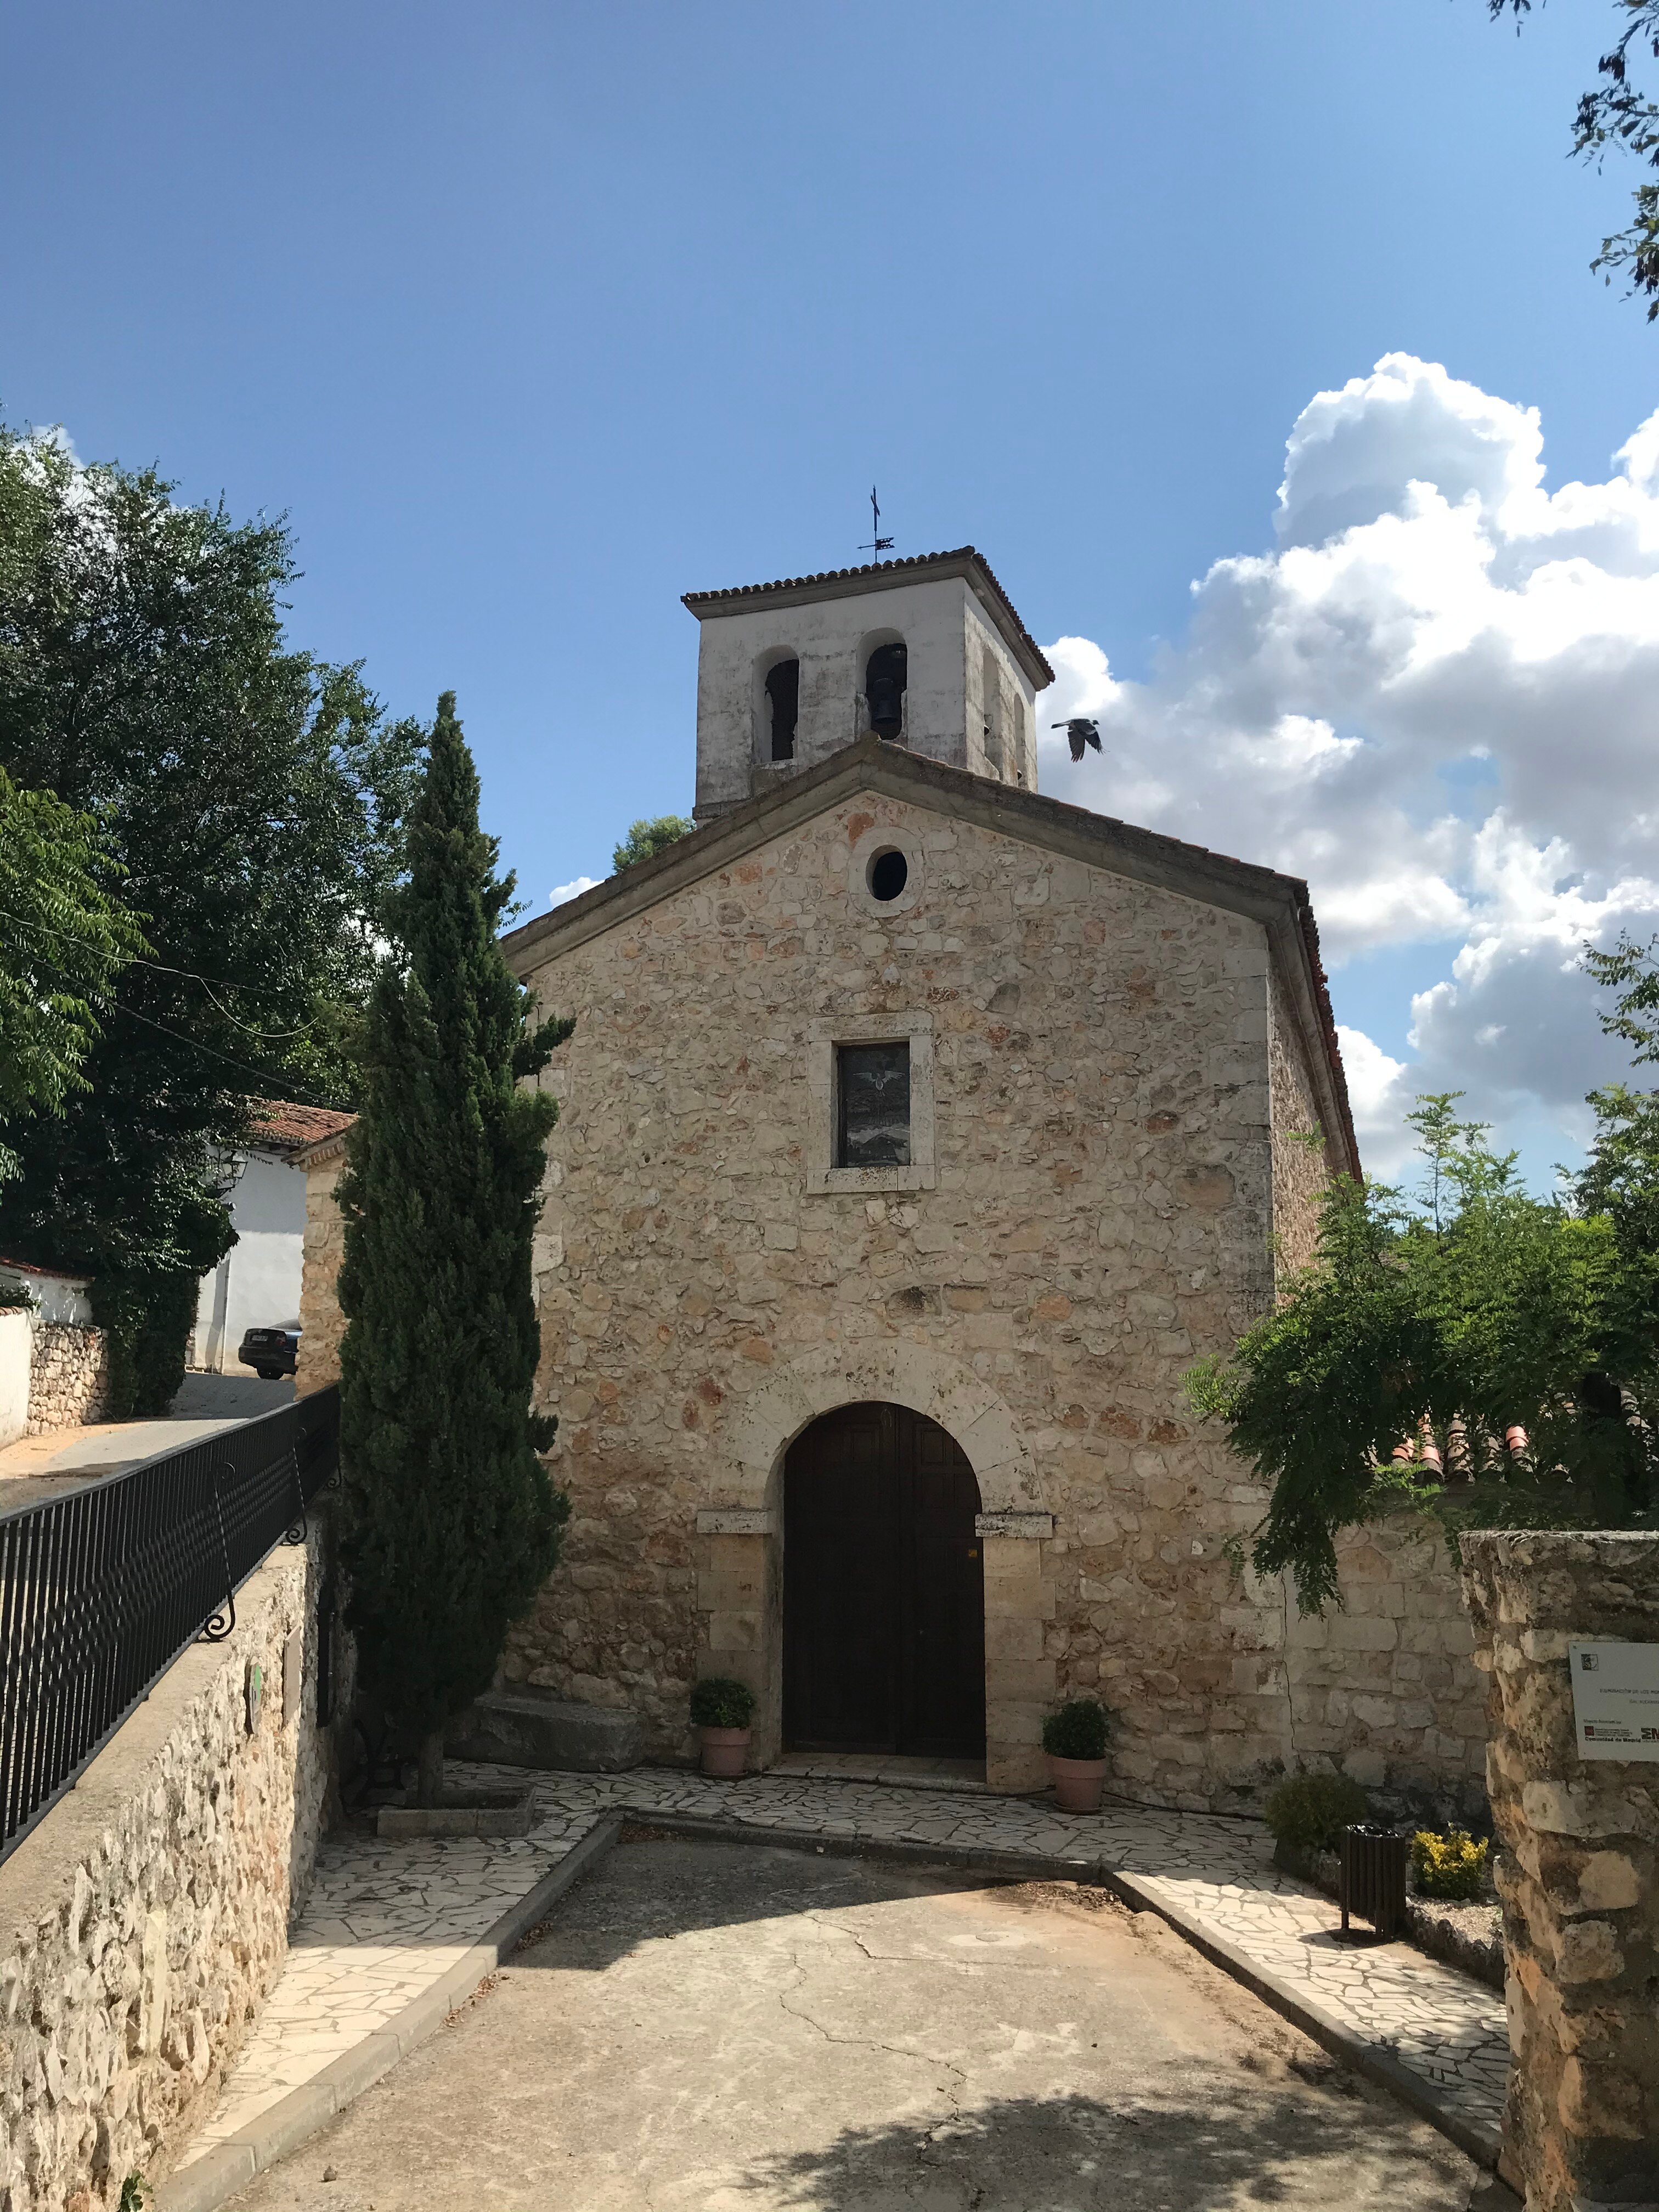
54	434
1437	699
560	892
1375	1090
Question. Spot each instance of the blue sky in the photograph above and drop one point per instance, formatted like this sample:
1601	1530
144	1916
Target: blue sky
532	318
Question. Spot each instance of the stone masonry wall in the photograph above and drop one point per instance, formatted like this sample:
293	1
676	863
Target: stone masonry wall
1387	1687
68	1376
1577	1871
1300	1169
321	1322
1101	1217
1108	1149
145	1919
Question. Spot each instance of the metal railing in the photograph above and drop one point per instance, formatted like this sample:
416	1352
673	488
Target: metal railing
102	1590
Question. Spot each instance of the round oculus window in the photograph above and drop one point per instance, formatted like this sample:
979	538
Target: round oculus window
890	871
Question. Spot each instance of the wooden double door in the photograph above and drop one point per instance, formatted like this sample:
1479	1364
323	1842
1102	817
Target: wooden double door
884	1589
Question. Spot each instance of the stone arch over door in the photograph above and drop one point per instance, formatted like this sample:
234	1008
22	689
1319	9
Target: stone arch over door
763	1426
740	1602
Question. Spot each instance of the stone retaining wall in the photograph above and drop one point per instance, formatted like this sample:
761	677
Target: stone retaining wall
68	1376
1578	1870
1387	1687
144	1921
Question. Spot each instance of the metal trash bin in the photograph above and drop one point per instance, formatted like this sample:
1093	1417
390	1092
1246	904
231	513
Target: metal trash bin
1374	1877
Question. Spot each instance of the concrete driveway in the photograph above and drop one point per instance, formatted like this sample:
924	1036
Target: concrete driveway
36	1468
714	2027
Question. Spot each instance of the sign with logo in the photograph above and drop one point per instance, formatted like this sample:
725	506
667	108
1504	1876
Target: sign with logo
1615	1700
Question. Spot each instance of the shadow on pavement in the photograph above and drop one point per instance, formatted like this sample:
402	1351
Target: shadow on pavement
229	1397
1239	2147
713	1885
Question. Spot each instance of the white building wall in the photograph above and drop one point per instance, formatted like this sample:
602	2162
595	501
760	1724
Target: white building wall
257	1284
60	1301
16	1350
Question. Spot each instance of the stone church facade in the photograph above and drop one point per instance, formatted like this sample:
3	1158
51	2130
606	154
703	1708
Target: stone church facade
917	1135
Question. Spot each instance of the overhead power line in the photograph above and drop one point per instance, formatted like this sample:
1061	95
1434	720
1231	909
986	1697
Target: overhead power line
161	967
261	1076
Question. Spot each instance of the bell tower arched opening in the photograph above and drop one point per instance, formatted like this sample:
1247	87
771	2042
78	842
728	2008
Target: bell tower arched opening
886	675
783	708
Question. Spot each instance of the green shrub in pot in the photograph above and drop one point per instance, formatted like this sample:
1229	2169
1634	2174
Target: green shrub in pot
1077	1730
720	1702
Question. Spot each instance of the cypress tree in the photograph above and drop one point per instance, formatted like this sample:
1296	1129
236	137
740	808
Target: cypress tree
450	1523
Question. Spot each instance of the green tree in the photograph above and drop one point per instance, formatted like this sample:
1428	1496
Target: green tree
645	840
451	1524
1621	1176
1461	1324
252	797
1621	1179
1615	116
63	941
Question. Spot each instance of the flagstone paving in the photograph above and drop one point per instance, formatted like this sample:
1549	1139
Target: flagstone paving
385	1921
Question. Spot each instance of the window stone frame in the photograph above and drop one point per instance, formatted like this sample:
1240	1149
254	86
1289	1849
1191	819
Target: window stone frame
823	1178
884	838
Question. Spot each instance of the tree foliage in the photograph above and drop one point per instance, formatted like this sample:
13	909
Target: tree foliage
1615	116
1622	1177
645	840
1511	1340
249	798
451	1523
63	940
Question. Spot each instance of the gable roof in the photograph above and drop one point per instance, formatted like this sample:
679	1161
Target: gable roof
1280	903
965	561
279	1126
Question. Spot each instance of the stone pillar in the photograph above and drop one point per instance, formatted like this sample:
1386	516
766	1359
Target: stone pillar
322	1324
1019	1669
740	1613
1577	1869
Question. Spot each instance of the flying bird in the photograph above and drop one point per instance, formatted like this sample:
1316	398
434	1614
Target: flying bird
1081	731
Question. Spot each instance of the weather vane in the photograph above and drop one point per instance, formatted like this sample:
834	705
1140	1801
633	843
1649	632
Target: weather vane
878	545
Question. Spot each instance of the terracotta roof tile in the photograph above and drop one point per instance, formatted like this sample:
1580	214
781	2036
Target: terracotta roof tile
284	1127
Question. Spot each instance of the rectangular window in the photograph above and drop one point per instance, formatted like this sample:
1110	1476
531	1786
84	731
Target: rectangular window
869	1102
872	1105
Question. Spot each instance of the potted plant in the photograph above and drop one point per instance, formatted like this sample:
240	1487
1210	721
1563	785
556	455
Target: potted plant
723	1709
1074	1739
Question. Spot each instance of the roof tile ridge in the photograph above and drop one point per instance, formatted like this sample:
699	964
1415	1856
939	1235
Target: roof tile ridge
694	599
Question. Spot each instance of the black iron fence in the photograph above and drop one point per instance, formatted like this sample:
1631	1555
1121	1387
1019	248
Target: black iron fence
102	1590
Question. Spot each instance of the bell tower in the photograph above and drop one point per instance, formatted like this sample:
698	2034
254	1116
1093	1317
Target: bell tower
926	652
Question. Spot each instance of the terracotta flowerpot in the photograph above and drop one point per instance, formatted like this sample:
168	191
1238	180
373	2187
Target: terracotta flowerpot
1078	1783
725	1750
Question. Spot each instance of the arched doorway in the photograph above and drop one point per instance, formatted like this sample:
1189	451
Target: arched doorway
883	1591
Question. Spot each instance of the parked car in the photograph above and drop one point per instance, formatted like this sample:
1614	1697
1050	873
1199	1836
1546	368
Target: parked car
270	1353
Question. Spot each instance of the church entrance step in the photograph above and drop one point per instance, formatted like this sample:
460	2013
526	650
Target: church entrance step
522	1728
967	1775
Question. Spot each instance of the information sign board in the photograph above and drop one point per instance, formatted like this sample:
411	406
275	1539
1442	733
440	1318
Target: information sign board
1615	1700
